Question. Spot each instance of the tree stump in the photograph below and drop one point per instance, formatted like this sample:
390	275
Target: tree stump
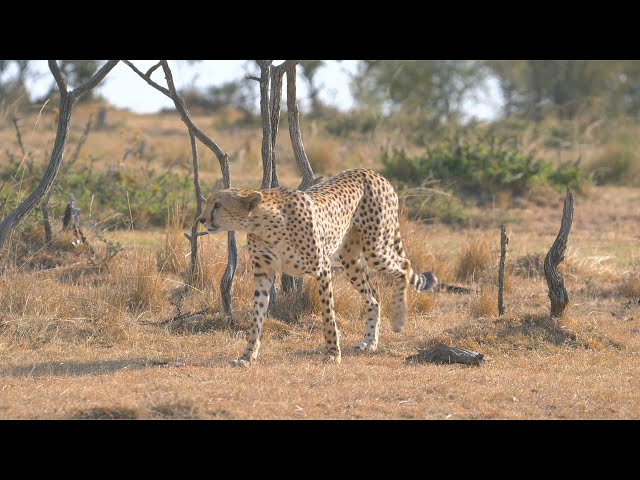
443	354
557	293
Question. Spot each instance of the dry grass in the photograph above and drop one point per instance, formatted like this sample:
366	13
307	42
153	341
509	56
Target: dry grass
181	371
83	341
325	156
172	256
616	163
485	304
475	257
136	284
629	284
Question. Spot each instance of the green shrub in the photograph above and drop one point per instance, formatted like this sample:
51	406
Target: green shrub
443	207
112	195
345	125
617	164
480	165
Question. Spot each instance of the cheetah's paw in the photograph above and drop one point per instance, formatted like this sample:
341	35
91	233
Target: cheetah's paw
241	362
332	358
366	347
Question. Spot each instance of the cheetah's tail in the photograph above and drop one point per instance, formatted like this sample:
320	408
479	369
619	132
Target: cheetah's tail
424	282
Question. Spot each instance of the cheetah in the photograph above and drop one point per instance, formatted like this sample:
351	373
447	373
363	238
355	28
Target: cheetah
352	216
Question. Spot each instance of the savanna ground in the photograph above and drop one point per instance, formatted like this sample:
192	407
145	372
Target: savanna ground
82	338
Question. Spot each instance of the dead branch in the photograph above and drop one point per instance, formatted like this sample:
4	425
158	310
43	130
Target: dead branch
95	80
504	240
67	100
194	225
147	79
178	318
18	136
443	354
557	292
153	69
232	251
48	233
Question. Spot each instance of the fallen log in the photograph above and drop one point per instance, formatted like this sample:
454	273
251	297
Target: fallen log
443	354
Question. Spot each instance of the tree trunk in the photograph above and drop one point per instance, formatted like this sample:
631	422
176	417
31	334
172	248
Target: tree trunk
277	73
275	99
294	129
25	208
265	110
232	252
193	239
290	283
557	293
67	99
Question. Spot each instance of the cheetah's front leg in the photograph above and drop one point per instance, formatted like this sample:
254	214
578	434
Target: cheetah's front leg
262	282
332	342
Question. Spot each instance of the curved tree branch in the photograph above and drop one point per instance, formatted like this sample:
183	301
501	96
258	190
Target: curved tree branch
95	80
147	78
153	69
232	252
67	99
61	80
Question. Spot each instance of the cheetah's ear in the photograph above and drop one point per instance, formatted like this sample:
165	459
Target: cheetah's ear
251	200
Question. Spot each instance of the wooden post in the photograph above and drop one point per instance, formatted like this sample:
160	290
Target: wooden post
557	293
504	240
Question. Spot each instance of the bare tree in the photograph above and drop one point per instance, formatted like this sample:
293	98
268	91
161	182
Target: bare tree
270	106
289	283
67	100
232	252
265	110
294	128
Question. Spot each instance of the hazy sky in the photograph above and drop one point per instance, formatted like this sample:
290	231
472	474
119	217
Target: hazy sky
124	89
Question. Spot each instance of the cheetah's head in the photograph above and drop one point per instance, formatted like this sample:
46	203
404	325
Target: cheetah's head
229	209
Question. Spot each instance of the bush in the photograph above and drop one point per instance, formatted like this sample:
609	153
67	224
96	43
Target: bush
618	164
345	125
480	165
139	194
440	207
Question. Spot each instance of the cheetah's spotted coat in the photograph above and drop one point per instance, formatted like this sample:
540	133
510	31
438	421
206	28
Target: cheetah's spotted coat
352	216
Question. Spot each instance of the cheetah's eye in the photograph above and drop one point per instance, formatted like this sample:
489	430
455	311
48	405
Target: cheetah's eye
216	205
